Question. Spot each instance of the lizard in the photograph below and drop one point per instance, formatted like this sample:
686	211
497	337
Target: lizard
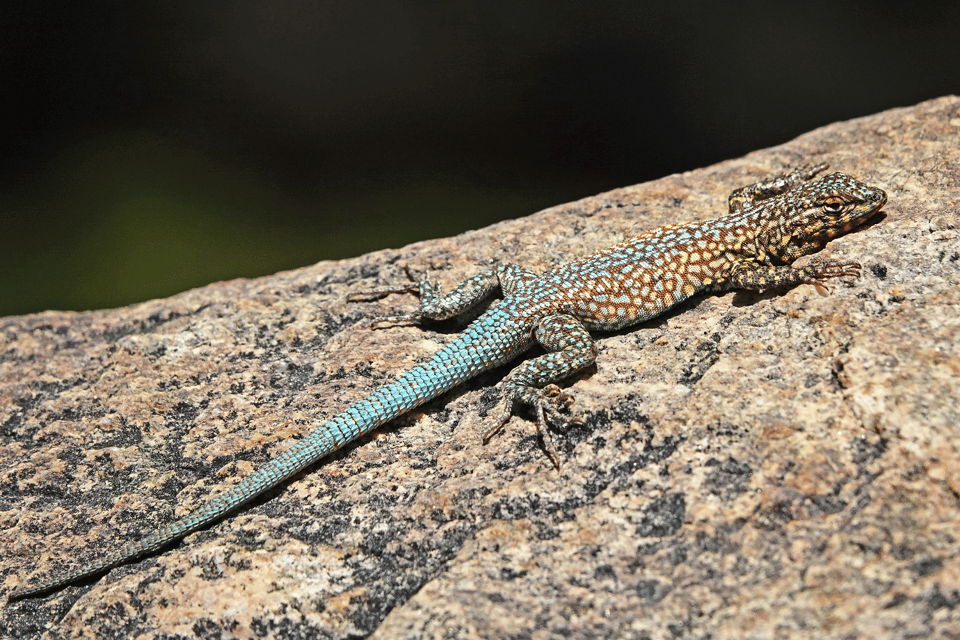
770	224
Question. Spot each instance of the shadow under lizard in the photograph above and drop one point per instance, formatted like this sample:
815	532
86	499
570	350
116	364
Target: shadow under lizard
769	225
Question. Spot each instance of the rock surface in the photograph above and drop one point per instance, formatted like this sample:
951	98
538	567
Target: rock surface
773	465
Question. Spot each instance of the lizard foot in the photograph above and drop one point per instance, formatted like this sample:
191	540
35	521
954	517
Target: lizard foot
822	271
370	296
401	319
550	402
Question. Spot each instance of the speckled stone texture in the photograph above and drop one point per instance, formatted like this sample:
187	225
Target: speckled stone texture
751	465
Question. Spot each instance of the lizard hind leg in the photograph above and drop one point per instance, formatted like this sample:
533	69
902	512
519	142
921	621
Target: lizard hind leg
569	349
434	305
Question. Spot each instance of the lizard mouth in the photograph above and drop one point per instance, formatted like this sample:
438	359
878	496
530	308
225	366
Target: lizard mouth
881	199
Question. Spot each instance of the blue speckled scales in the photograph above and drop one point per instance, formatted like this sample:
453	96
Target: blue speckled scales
770	224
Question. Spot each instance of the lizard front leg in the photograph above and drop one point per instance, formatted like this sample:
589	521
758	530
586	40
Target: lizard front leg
772	186
771	276
570	348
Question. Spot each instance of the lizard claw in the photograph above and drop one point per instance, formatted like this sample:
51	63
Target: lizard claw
549	402
823	271
402	319
502	412
369	296
415	286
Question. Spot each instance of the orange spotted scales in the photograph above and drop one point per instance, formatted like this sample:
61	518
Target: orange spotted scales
769	226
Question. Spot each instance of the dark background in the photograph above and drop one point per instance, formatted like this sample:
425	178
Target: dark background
151	147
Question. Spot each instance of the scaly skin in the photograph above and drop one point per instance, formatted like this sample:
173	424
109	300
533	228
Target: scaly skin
770	224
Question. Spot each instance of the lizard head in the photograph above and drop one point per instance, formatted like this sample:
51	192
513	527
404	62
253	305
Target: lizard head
826	208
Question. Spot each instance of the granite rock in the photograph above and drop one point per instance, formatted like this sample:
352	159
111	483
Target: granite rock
751	465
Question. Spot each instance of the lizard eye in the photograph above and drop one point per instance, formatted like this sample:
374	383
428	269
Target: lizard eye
833	205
